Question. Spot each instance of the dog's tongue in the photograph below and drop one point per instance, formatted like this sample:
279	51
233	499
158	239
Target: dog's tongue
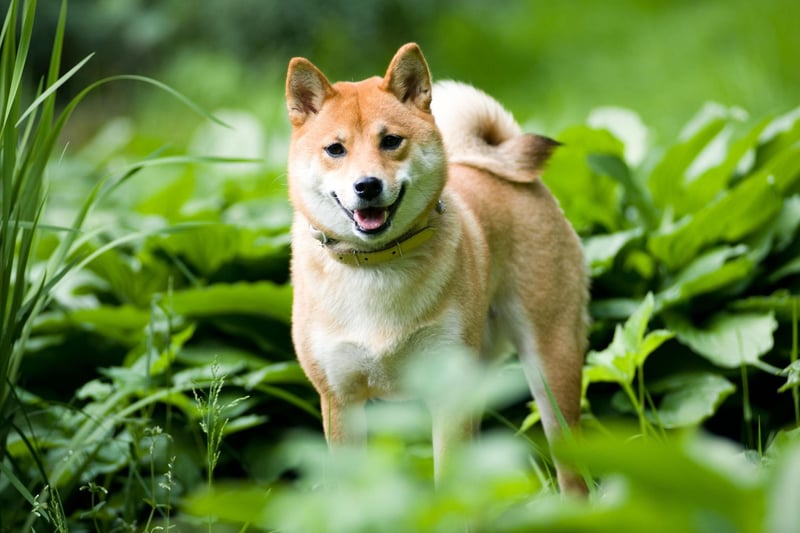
371	218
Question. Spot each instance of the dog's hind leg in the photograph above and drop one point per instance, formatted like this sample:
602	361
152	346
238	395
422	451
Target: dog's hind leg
551	354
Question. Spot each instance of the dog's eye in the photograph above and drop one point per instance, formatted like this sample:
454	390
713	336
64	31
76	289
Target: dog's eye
335	150
391	142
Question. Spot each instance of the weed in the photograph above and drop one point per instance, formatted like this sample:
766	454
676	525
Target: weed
213	421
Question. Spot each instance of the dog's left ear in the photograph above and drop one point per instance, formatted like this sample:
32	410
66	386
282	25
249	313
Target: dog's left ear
408	77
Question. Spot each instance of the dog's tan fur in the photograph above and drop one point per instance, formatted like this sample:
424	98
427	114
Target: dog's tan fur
503	265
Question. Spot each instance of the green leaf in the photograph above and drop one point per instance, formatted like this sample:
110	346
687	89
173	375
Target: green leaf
601	250
783	304
667	180
713	270
704	188
613	308
790	268
163	362
209	247
168	201
261	298
241	423
688	399
284	372
588	199
614	167
728	340
733	216
206	247
723	484
784	170
792	373
783	491
628	350
243	503
124	323
778	236
627	126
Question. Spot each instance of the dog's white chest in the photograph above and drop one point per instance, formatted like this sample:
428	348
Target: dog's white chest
371	335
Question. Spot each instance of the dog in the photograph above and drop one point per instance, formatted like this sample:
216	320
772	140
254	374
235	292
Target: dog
421	223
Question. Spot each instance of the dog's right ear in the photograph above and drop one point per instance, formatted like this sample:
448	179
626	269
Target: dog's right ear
306	90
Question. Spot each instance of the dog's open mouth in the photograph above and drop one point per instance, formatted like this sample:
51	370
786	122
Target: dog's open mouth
373	220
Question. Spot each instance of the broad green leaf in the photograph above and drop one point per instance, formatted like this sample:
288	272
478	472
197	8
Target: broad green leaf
588	199
783	304
650	343
601	250
242	503
261	298
209	247
688	399
267	214
241	423
201	377
613	308
731	217
784	170
667	180
782	133
206	248
728	340
614	167
777	237
787	269
170	198
124	323
723	484
208	352
783	491
627	126
285	372
702	189
132	279
628	350
713	270
95	389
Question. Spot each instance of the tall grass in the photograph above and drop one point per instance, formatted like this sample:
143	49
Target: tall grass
30	126
27	140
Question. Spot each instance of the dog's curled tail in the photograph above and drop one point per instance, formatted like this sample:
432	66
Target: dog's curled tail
481	133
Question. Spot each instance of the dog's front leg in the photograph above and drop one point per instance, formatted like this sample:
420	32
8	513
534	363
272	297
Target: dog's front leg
450	430
343	421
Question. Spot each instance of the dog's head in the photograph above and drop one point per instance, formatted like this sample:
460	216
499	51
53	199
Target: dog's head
366	162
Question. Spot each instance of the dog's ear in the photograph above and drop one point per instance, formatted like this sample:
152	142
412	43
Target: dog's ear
306	90
408	77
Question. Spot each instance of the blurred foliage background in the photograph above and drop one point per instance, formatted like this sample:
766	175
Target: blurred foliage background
550	62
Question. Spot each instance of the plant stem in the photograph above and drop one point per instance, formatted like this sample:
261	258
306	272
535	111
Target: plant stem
643	424
747	412
793	358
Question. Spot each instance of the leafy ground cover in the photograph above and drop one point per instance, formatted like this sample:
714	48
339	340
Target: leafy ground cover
150	383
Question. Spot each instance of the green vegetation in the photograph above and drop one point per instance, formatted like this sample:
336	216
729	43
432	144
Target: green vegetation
149	382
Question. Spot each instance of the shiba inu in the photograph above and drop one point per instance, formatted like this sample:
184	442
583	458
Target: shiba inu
420	223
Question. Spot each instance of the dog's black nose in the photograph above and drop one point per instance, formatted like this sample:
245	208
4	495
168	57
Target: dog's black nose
368	188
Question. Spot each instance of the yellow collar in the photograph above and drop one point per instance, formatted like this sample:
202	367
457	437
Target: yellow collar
398	249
